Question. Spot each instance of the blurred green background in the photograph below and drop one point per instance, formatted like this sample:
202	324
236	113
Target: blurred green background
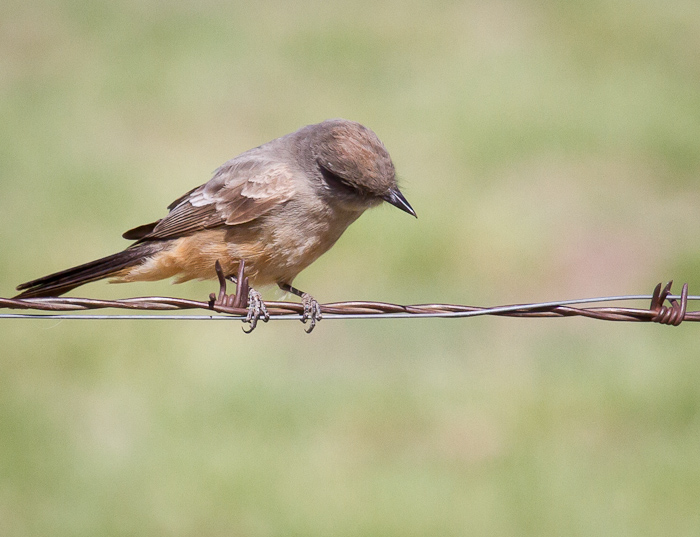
551	150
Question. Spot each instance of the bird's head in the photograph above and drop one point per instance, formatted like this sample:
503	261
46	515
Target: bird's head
354	166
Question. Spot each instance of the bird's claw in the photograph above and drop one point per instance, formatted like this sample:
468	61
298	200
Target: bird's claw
312	311
256	310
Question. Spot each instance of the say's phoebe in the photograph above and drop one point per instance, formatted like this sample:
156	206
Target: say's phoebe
277	207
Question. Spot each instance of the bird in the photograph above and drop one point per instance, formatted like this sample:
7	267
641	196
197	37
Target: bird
268	214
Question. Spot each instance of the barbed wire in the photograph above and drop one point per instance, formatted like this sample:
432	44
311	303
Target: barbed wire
672	314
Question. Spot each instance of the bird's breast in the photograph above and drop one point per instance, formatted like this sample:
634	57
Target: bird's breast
279	247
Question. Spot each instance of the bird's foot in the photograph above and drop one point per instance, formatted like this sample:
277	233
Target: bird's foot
256	310
312	311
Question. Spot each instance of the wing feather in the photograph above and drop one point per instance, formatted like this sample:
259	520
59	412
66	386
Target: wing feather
240	191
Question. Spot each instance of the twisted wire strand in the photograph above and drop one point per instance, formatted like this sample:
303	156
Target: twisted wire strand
664	308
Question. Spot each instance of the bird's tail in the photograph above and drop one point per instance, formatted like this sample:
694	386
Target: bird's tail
61	282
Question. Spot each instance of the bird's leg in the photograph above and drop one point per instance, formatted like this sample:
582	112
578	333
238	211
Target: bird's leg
312	309
245	296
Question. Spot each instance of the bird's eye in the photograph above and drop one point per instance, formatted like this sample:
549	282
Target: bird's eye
336	181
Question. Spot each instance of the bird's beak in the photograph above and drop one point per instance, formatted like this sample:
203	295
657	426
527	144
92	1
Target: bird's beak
395	197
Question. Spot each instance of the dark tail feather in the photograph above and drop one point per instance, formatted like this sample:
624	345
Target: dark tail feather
61	282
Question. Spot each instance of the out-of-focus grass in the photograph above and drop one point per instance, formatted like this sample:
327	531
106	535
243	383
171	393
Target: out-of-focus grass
551	151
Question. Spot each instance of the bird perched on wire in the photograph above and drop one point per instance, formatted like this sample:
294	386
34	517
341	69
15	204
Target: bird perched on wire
275	209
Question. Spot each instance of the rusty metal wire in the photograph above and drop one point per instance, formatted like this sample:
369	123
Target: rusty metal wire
664	308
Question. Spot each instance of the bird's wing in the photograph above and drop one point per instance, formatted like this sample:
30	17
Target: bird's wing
241	190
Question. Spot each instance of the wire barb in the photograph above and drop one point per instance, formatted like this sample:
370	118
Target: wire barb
673	315
245	297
